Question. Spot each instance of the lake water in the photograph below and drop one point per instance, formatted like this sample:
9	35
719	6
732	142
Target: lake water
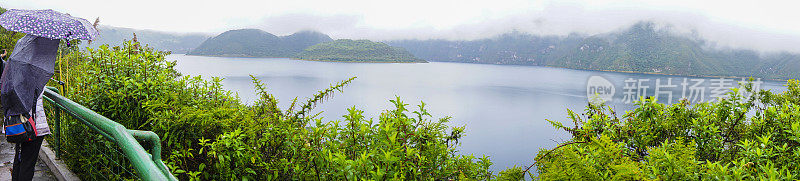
503	107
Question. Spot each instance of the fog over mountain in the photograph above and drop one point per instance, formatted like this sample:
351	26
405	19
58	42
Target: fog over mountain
558	20
643	47
166	41
765	26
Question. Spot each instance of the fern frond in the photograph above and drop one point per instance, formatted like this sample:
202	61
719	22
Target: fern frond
320	97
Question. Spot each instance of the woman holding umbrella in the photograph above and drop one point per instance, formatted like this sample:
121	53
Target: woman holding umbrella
29	67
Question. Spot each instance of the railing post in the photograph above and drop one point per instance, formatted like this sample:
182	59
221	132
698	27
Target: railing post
58	120
58	131
58	117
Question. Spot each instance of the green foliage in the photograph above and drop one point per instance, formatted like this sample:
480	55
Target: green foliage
258	43
672	161
208	134
357	51
401	145
136	87
741	137
607	155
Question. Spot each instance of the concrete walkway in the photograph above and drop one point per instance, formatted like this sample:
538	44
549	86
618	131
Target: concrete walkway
7	159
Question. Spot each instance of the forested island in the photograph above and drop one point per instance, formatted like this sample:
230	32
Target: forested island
346	50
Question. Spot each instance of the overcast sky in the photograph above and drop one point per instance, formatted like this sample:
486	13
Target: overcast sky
761	25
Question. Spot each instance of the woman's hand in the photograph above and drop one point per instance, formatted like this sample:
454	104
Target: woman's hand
4	53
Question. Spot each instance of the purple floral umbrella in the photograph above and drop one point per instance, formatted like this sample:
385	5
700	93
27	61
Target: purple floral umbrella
48	23
31	64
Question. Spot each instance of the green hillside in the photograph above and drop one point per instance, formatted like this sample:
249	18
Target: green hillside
258	43
639	48
642	48
346	50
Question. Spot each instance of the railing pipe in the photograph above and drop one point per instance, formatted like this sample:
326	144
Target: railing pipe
147	166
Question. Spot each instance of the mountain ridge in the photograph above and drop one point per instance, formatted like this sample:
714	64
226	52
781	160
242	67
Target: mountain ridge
258	43
639	48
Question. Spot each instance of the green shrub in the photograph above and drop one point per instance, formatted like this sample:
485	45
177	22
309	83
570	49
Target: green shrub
707	141
208	134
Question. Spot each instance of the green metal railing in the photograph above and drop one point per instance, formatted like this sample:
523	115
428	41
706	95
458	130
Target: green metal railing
147	166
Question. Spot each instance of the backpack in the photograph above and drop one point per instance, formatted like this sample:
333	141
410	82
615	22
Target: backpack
19	129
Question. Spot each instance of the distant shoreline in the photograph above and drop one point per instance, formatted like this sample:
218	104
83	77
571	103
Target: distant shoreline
234	56
616	71
657	73
621	71
294	58
355	61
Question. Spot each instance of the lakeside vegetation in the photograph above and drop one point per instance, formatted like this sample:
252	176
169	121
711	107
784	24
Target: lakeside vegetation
753	135
345	50
209	134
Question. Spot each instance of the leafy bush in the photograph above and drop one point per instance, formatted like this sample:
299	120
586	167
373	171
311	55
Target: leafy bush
208	134
707	141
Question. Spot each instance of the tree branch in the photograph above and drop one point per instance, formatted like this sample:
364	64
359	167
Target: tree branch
545	155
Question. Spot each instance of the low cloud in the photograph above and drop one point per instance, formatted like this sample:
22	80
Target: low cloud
554	19
290	23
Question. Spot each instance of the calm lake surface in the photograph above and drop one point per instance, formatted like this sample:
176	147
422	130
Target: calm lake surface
503	107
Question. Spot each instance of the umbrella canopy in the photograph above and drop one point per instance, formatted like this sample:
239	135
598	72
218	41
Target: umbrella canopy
26	73
48	23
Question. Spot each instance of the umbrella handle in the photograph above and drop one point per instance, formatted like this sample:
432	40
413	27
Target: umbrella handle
69	33
59	82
